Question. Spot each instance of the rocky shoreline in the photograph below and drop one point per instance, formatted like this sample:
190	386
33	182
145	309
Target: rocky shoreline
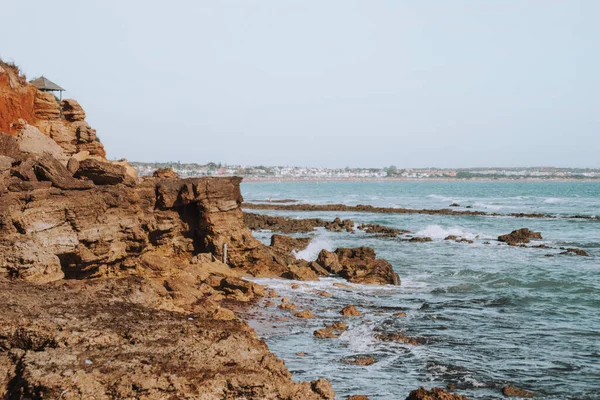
115	286
391	210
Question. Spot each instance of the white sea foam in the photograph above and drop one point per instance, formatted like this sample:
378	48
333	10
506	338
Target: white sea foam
439	197
490	206
553	200
438	232
359	339
311	252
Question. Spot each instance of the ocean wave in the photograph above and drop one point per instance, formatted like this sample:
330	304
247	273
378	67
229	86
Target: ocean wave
553	200
438	232
490	206
440	197
311	252
360	338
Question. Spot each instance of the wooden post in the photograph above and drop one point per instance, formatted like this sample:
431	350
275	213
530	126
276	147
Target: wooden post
224	253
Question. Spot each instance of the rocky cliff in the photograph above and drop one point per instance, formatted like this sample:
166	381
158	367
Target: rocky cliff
114	287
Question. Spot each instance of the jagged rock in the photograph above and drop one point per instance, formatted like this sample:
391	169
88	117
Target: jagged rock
381	230
165	173
73	165
359	265
511	391
47	168
518	236
350	311
451	237
288	244
329	261
104	173
434	394
281	224
357	397
337	225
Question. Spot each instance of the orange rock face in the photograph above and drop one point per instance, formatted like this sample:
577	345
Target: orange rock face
63	121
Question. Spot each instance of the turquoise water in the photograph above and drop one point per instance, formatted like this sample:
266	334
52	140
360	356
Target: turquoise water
490	314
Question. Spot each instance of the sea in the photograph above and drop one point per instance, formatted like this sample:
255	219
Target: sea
488	314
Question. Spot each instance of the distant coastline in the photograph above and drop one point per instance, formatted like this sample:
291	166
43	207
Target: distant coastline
254	179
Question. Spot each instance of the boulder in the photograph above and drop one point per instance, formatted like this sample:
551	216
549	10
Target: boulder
337	225
165	173
104	173
300	273
329	261
518	236
288	244
350	311
32	141
360	265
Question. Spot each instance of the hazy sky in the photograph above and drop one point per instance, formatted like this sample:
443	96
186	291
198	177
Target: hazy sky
332	83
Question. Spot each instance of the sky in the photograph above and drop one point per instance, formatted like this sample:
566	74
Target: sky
324	83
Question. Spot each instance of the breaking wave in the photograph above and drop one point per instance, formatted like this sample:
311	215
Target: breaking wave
438	232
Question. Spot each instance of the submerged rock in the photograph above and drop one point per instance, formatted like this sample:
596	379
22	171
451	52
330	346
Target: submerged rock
360	360
575	251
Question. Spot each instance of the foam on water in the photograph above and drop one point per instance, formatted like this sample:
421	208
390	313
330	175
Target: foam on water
438	232
360	339
553	200
440	197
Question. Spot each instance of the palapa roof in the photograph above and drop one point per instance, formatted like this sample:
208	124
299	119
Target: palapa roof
43	83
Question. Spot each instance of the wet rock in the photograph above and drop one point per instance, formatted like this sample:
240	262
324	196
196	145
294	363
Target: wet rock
329	261
454	205
323	293
434	394
464	240
350	311
295	286
287	306
398	337
269	303
304	314
301	354
523	235
575	251
381	230
511	391
451	237
342	285
281	224
400	314
326	333
337	225
420	239
165	173
288	244
357	397
360	265
360	360
331	331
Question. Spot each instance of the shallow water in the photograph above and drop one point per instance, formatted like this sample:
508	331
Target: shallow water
490	314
